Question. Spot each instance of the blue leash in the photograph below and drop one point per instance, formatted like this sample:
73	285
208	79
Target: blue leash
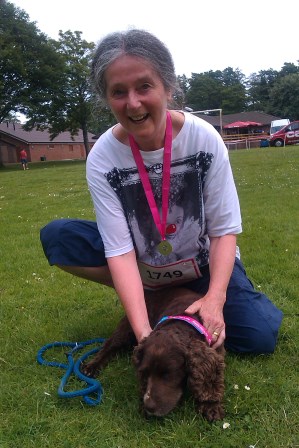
73	367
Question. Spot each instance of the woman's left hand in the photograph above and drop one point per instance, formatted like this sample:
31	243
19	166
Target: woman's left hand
211	313
210	306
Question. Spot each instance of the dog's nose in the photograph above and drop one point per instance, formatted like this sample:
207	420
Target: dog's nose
150	408
149	404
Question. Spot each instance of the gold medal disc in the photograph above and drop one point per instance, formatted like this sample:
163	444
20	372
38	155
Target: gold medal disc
164	248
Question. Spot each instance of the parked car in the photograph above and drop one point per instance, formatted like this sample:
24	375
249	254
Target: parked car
288	135
276	125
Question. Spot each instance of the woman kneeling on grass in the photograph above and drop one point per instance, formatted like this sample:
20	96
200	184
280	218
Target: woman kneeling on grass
166	205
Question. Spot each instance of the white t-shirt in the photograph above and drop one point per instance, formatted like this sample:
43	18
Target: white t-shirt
202	201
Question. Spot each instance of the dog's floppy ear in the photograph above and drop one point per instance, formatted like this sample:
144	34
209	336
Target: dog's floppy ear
137	358
205	369
138	354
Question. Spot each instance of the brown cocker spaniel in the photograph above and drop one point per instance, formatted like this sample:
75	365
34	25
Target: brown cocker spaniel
174	356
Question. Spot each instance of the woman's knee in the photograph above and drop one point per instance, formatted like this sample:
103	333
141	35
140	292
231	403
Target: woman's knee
252	320
73	242
251	340
51	231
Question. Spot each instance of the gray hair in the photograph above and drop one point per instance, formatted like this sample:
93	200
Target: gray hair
138	43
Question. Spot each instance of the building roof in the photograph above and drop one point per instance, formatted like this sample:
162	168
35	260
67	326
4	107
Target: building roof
260	117
16	130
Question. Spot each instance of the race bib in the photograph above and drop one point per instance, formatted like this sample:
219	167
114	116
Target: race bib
182	271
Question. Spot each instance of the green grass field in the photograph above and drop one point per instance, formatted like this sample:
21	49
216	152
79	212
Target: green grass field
40	304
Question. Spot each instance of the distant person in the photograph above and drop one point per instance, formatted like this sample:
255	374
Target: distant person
24	159
166	204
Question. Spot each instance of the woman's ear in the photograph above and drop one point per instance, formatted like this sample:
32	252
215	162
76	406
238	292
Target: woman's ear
170	96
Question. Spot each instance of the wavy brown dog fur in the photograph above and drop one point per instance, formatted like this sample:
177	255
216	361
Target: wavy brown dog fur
174	356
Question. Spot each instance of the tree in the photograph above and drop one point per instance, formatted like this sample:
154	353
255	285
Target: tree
180	94
204	92
101	118
284	97
233	92
217	90
259	88
289	68
70	106
233	99
28	64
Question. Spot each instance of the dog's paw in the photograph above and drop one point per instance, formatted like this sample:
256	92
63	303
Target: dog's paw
90	369
211	411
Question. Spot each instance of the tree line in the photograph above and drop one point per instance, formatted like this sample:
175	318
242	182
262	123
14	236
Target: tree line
48	82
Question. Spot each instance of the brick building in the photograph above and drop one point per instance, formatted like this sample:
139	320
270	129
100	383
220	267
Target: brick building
38	144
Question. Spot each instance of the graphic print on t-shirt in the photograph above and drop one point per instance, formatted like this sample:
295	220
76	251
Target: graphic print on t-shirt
185	219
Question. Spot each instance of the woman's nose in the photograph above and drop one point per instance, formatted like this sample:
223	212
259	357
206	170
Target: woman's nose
133	100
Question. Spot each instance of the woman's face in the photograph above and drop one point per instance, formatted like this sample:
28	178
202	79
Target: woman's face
138	100
175	221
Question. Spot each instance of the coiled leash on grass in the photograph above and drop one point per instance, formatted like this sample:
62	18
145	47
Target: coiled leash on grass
73	368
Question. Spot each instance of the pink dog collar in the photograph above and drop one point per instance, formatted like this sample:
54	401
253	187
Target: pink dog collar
190	320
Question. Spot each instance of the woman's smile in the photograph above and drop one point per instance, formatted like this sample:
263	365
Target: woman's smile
139	118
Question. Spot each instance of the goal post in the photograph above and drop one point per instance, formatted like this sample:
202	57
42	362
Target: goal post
207	112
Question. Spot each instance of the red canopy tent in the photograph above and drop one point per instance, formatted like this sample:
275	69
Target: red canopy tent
241	124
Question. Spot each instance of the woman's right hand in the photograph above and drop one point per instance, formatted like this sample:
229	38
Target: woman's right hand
128	285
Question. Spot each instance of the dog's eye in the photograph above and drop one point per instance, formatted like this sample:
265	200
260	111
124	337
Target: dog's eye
166	376
144	372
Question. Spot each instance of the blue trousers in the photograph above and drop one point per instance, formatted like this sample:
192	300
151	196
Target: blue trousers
252	320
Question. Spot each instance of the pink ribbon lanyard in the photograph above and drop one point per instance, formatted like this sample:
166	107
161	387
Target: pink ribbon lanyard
160	224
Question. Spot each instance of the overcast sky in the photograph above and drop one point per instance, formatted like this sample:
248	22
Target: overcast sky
202	35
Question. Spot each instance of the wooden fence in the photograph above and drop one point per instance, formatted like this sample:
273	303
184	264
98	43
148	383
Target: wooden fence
245	141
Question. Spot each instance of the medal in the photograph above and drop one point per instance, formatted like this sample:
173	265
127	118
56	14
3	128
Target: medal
164	248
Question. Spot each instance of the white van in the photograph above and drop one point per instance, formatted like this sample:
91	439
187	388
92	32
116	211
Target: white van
276	125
